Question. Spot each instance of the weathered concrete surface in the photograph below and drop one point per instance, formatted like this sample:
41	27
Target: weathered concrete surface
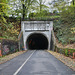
32	27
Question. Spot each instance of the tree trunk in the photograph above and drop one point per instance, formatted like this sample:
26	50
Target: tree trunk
23	11
73	2
40	7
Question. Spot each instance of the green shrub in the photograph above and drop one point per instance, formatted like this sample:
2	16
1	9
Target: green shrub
63	31
66	52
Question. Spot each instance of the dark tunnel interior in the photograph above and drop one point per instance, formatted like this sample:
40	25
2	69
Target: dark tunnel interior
37	42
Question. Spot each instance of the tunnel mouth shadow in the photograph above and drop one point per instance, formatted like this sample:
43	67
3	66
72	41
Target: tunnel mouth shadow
37	41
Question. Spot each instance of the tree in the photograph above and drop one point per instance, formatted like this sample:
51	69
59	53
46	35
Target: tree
40	5
66	32
58	4
15	8
73	2
21	8
3	14
3	10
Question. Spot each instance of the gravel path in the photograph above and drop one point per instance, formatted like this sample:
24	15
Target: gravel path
66	60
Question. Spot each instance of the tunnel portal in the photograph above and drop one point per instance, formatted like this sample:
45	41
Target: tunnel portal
37	41
36	35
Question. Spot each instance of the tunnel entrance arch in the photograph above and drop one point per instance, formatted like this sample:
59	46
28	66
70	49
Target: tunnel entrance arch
37	41
36	35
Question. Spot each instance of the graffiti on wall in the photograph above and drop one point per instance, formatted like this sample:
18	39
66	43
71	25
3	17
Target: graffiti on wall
5	49
0	46
9	46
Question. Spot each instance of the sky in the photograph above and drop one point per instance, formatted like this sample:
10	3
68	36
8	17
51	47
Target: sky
52	0
47	1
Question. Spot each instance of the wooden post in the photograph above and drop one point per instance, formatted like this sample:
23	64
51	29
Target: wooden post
73	55
0	50
0	53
